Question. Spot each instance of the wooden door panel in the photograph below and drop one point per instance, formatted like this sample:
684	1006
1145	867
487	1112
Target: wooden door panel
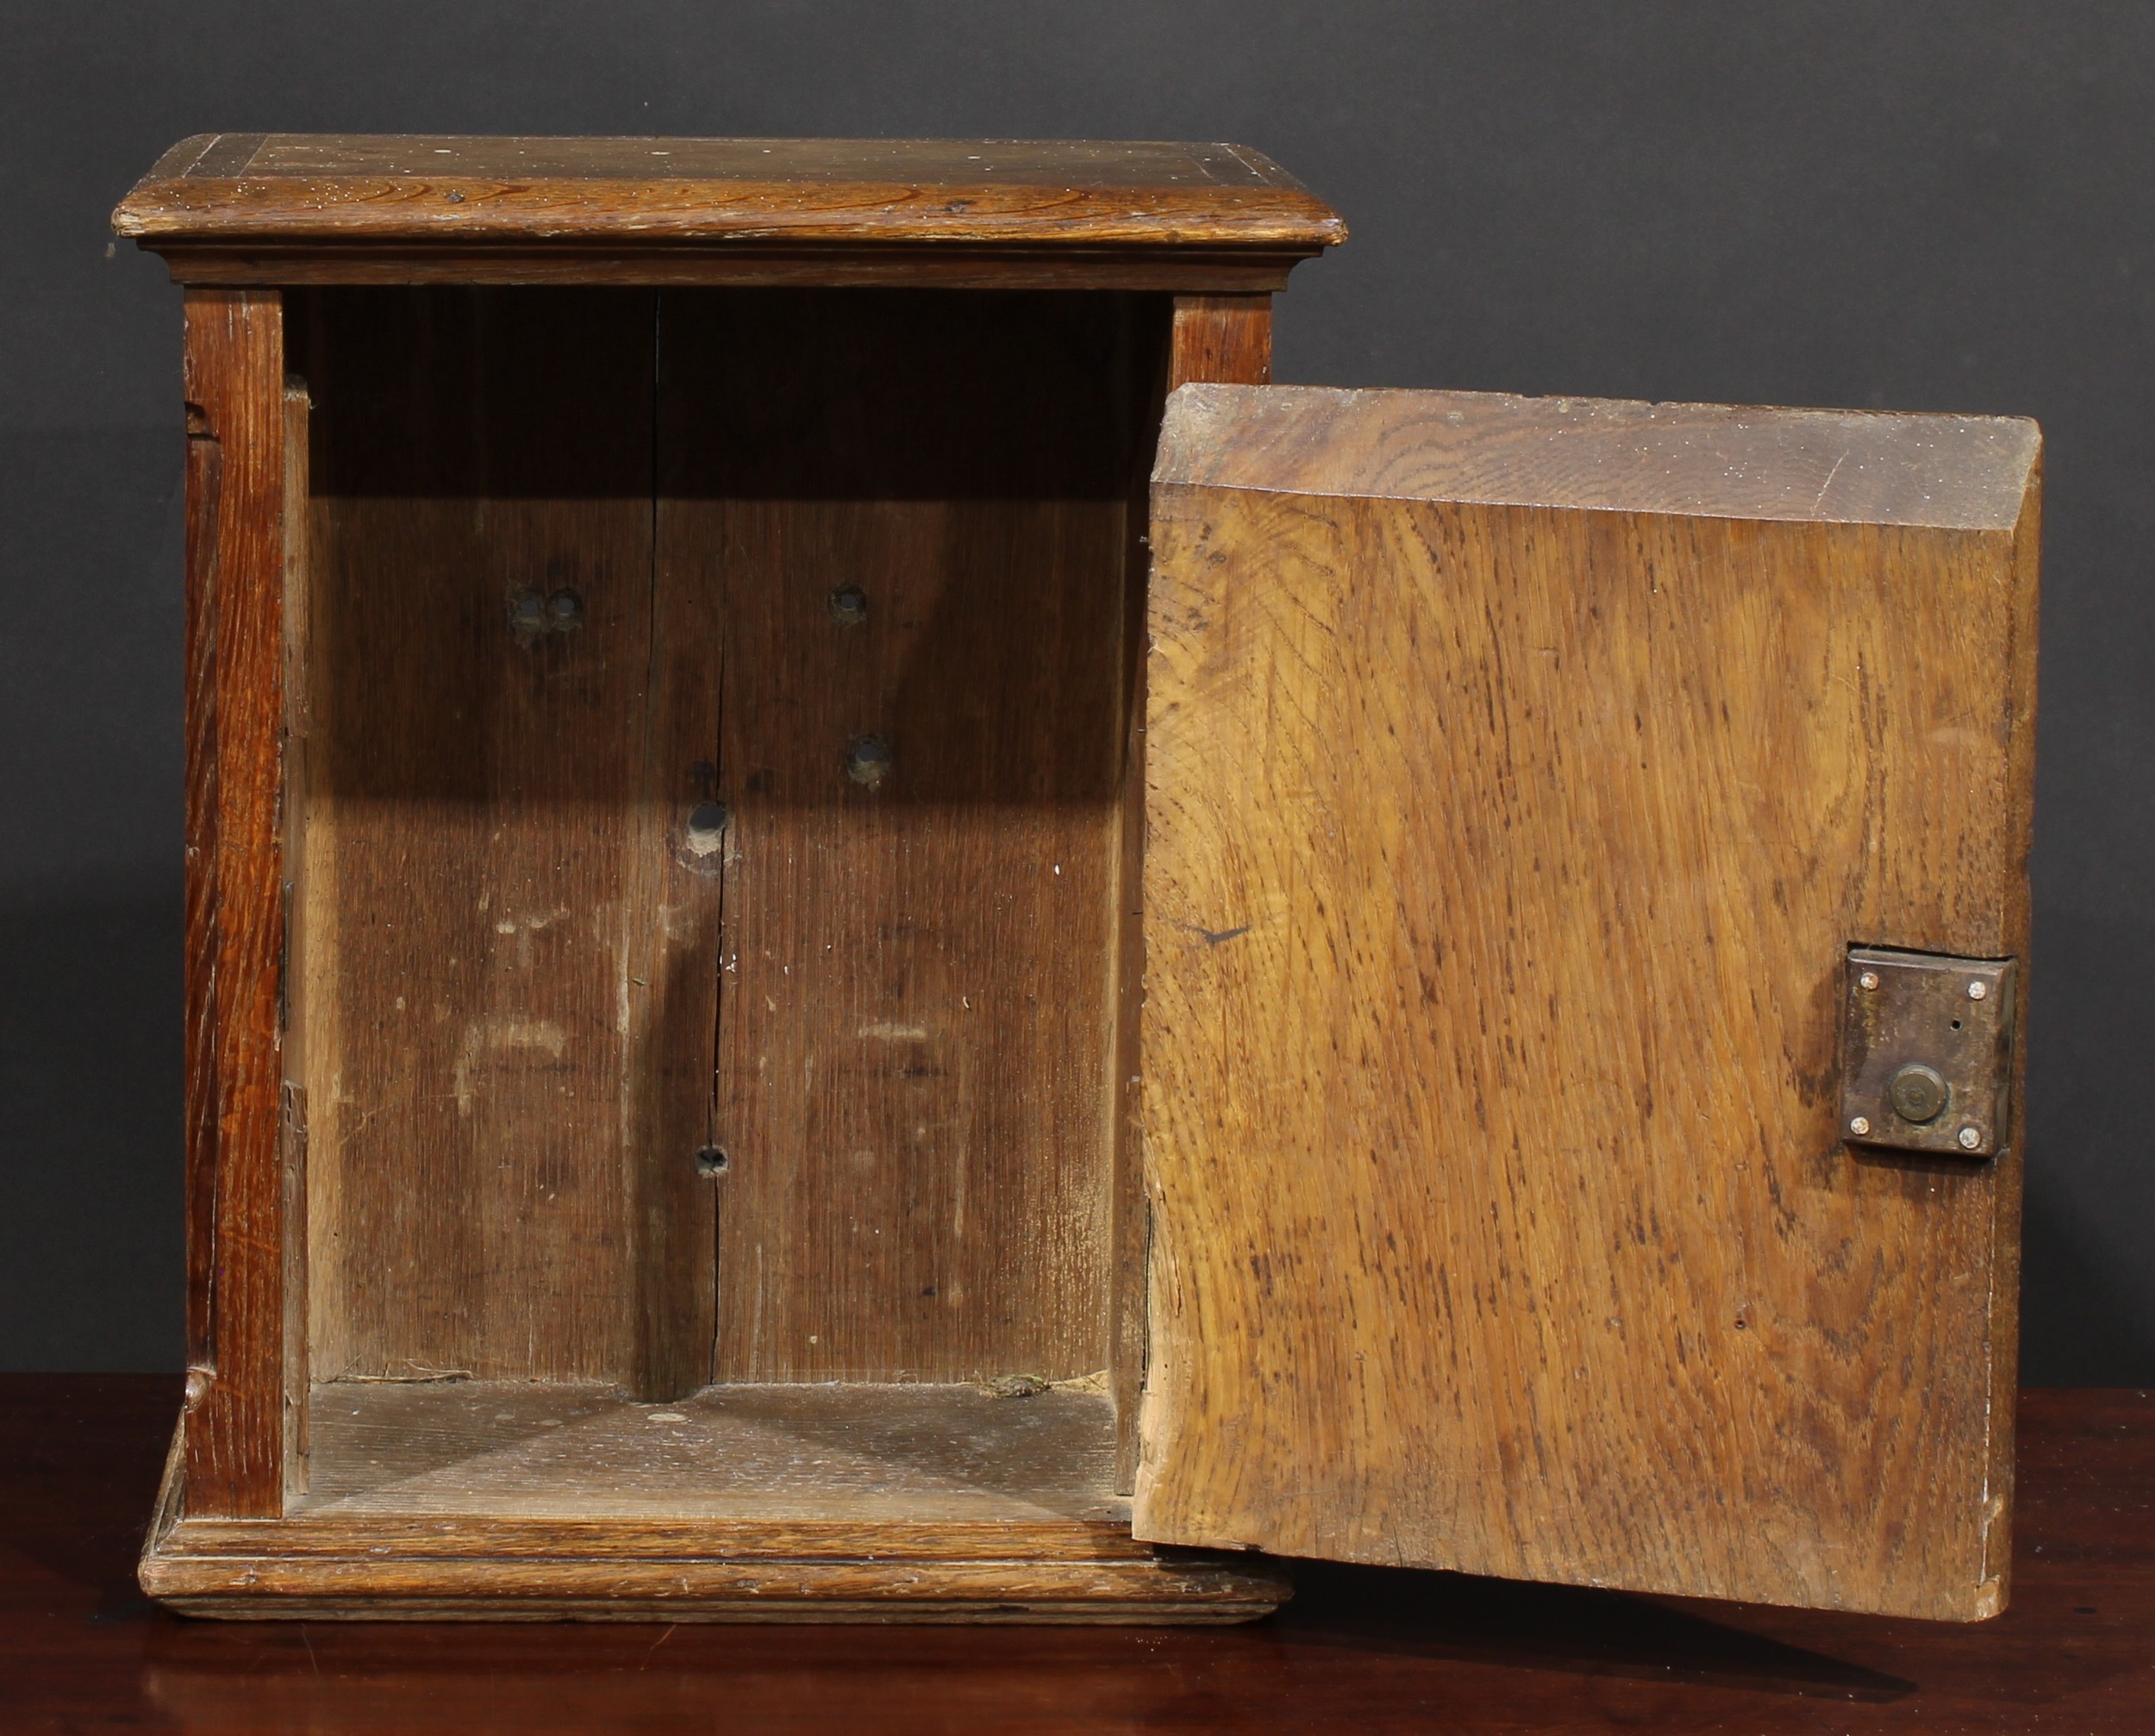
1520	772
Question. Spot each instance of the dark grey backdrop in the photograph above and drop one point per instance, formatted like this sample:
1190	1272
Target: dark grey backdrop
1916	205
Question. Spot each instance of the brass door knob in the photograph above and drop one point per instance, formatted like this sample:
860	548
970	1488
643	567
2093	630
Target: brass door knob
1917	1093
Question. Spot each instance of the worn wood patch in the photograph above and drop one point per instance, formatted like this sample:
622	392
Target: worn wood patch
487	926
834	1453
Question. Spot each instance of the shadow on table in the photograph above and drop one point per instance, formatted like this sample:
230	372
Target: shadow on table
1358	1643
1575	1629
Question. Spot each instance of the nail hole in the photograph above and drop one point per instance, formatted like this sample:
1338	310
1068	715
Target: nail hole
849	605
706	829
868	761
712	1161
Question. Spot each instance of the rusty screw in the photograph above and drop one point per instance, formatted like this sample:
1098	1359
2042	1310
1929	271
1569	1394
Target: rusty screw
1868	980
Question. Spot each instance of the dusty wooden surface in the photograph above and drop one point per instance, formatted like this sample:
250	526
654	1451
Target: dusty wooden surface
485	976
1360	1649
923	1454
916	1001
235	474
296	207
1502	860
522	1500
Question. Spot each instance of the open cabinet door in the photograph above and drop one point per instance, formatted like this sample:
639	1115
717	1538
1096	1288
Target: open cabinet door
1520	774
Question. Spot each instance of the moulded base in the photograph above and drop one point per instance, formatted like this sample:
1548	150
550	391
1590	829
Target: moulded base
500	1501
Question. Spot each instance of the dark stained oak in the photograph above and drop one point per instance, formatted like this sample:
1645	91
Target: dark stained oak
237	461
1359	1650
281	208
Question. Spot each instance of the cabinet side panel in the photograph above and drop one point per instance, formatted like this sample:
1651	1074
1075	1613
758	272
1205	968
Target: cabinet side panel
477	911
917	505
1222	339
235	375
1501	863
1226	340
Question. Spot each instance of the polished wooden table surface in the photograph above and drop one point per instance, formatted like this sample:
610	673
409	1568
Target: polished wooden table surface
1365	1649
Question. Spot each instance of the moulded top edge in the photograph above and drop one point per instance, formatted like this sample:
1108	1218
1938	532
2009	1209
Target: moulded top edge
1698	460
304	187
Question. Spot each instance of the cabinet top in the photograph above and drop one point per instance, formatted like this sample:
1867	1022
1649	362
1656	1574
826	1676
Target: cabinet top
268	208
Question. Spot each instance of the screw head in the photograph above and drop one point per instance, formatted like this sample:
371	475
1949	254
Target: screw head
566	608
1859	1125
1868	980
1918	1093
849	605
1977	991
1970	1138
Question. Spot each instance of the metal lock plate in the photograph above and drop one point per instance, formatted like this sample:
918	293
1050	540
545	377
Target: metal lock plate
1926	1052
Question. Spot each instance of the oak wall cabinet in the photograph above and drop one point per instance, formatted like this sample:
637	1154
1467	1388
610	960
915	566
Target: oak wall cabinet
871	937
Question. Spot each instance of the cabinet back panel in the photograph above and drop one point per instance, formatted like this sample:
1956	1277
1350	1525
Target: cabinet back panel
916	1004
469	819
518	1028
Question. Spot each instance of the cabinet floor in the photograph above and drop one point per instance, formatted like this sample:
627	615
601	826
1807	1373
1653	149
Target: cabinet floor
535	1450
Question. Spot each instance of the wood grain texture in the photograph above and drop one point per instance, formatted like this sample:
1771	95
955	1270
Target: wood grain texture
241	188
1519	772
235	381
1226	339
502	1035
917	1004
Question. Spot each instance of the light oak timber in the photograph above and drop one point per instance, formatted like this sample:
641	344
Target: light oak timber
1519	770
1226	340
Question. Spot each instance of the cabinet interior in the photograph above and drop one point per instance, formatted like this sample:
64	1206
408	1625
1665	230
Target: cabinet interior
709	990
